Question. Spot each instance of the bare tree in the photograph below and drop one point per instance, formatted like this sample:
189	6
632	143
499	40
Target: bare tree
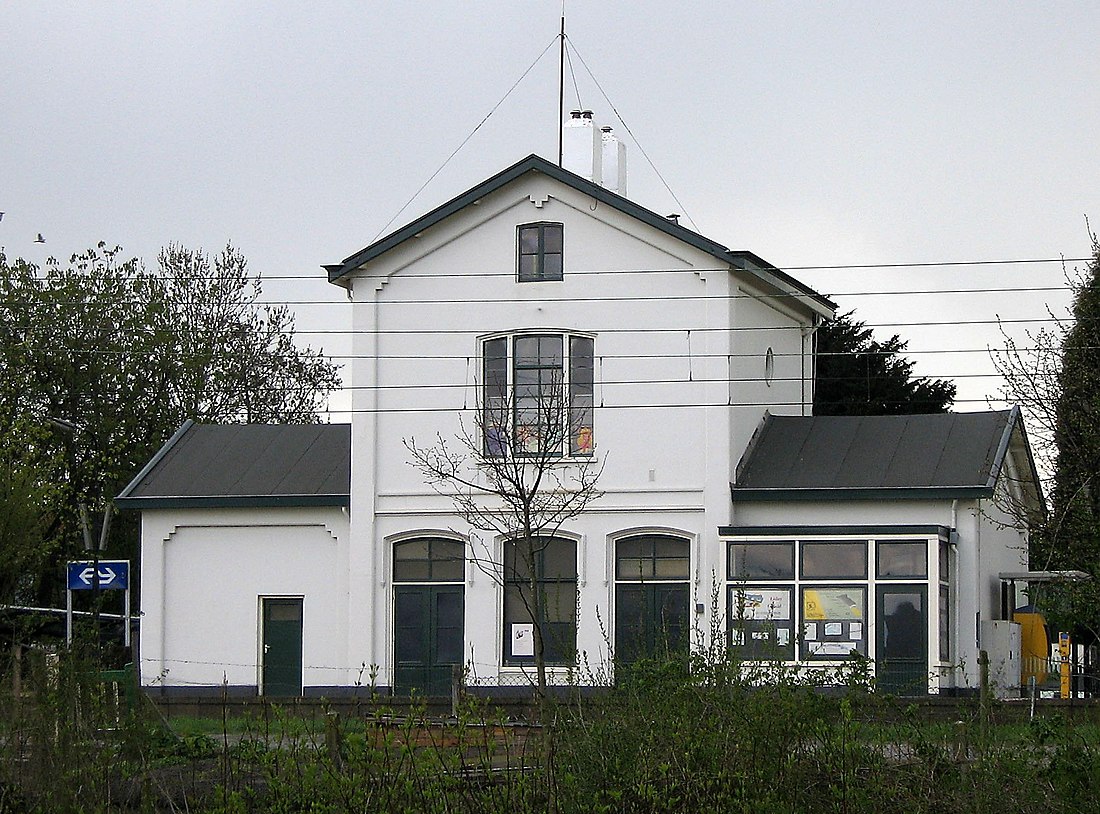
1054	378
521	471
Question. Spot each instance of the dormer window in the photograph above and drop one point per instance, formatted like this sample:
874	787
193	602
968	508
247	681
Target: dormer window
540	252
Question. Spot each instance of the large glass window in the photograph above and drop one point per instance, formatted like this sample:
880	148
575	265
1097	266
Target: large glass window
945	602
902	560
761	622
834	621
753	561
540	252
540	583
538	399
821	560
811	599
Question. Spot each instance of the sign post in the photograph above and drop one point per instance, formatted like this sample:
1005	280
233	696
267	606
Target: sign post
98	575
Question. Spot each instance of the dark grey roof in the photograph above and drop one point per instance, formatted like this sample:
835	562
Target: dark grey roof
854	457
745	261
246	465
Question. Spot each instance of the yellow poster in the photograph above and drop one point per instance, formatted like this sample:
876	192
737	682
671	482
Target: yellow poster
832	603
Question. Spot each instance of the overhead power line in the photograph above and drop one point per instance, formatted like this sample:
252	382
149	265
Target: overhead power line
319	277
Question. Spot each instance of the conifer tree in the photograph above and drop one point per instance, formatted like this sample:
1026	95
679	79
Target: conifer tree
1071	538
858	375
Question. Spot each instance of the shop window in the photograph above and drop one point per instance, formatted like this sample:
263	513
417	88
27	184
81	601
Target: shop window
821	560
761	561
761	622
834	621
902	560
945	602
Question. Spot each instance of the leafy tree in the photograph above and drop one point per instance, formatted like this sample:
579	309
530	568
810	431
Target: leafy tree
108	358
26	496
230	359
858	375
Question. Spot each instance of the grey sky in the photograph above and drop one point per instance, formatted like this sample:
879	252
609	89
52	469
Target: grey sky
813	134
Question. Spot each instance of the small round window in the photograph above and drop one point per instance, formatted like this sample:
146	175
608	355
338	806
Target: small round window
769	366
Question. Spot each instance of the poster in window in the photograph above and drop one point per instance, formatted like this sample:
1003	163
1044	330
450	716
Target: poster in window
833	622
523	639
832	603
760	621
761	604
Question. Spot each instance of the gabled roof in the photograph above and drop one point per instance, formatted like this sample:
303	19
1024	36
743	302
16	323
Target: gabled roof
944	455
745	261
243	465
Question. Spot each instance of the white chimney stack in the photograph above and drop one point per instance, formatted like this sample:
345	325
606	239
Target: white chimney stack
582	150
614	162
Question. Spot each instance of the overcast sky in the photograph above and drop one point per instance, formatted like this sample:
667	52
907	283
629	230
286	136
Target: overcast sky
813	134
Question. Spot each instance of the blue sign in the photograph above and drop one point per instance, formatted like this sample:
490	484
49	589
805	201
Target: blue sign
114	575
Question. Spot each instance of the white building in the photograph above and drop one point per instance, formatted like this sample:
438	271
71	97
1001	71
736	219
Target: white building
686	368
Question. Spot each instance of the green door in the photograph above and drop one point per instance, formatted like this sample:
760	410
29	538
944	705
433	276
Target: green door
428	636
282	647
901	663
651	621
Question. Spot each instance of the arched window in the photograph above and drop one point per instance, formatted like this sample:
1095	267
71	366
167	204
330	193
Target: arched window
652	595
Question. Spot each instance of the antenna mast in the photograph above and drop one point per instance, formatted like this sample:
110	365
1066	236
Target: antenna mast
561	86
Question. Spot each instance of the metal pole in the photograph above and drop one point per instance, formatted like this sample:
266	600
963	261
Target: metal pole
561	93
69	617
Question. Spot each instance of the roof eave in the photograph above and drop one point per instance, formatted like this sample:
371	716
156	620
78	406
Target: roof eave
123	497
232	501
337	272
744	495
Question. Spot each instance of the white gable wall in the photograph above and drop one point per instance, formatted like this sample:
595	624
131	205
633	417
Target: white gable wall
667	413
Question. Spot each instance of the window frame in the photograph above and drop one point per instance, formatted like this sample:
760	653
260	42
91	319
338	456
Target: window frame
513	582
753	636
538	274
572	396
432	560
937	575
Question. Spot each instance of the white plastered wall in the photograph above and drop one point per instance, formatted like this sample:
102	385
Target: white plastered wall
209	567
666	413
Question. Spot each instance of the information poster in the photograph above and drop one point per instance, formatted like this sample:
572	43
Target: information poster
761	623
833	625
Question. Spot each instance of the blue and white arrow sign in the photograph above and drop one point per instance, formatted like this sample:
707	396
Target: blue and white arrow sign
114	575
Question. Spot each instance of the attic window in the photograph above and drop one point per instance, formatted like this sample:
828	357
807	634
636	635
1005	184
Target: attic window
540	252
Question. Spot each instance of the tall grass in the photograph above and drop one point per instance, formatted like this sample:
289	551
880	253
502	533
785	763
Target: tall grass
717	737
